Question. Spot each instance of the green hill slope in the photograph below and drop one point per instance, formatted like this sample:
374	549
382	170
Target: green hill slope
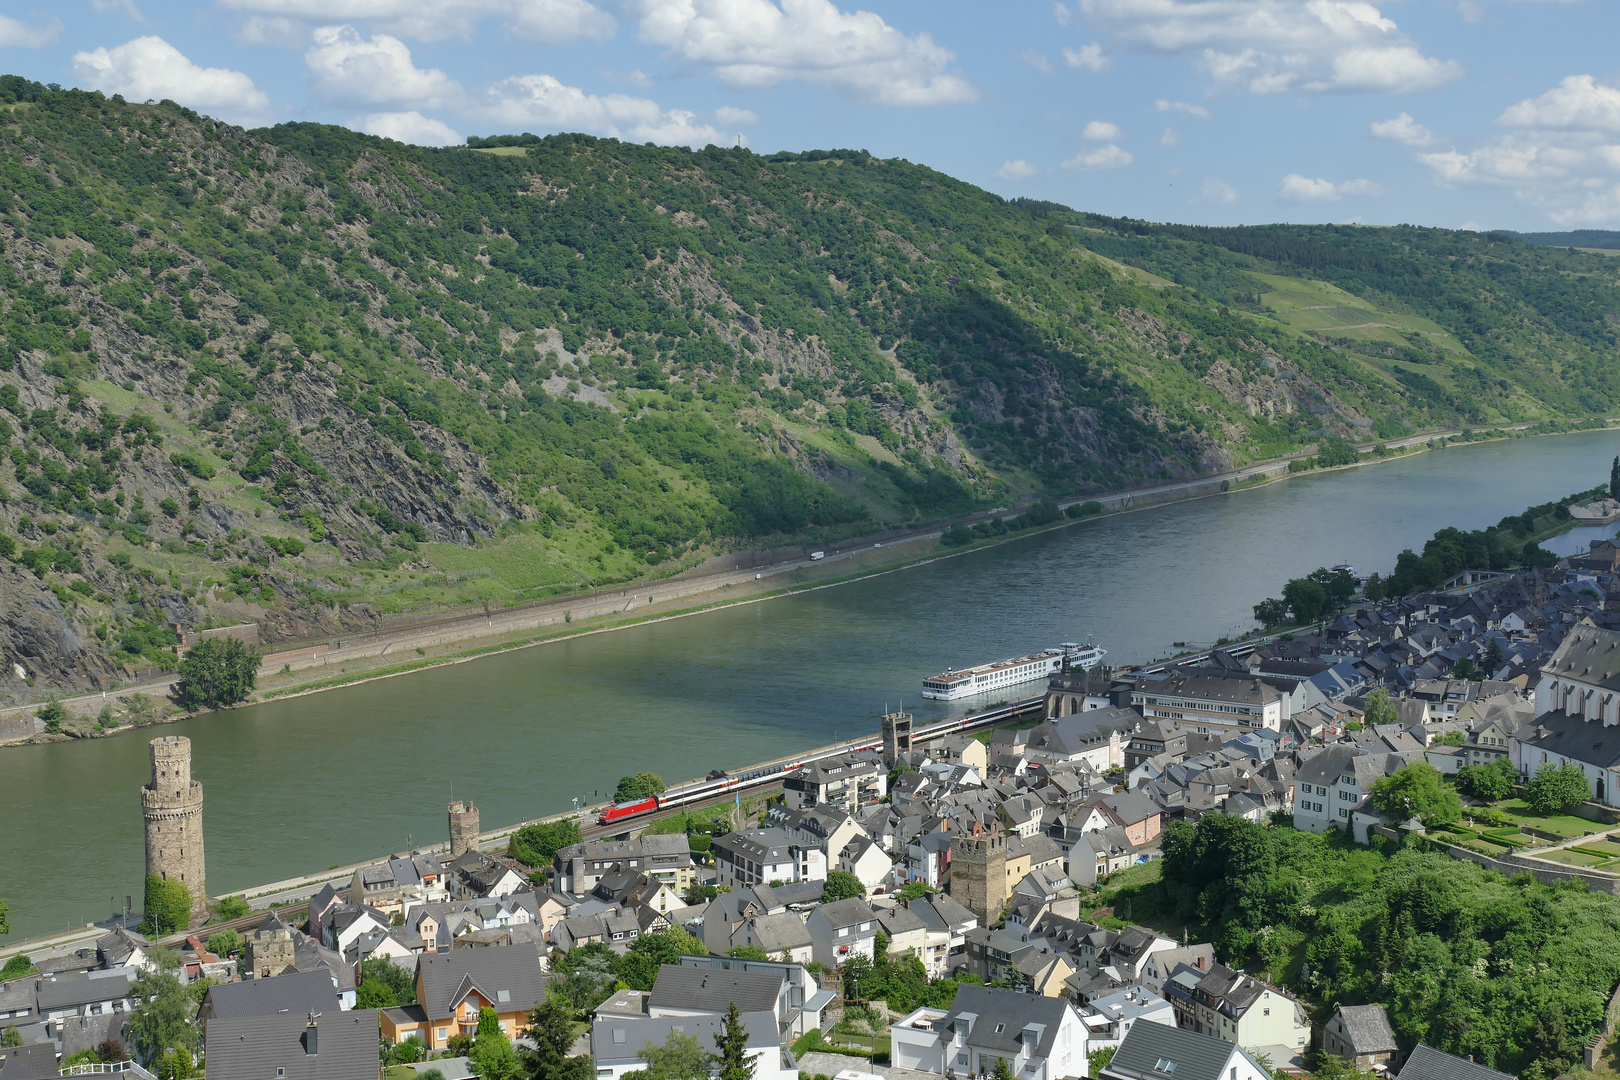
310	377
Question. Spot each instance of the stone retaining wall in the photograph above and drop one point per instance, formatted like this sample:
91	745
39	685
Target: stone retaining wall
1509	865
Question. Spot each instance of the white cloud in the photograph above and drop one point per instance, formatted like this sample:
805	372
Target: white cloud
549	21
1108	156
14	34
1089	57
1219	192
149	67
126	8
1062	14
1181	106
757	43
1560	155
408	127
273	30
1579	102
1278	46
1016	169
1403	129
541	101
727	115
1470	11
1170	138
345	67
1102	131
1036	60
1304	189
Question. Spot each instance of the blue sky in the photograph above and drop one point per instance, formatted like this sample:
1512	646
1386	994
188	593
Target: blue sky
1458	113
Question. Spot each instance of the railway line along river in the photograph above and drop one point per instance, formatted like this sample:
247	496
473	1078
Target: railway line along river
295	786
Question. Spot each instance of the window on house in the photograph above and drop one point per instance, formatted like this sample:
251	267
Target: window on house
1000	1028
1165	1066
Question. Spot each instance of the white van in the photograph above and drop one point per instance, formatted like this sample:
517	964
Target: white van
817	556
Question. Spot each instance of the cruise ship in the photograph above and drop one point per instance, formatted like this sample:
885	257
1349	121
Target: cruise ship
966	682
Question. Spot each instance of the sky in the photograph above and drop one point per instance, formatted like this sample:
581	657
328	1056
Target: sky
1478	114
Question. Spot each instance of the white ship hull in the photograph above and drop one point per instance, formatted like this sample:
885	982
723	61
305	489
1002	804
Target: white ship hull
989	678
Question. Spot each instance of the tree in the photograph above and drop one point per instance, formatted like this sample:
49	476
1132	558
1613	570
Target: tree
1416	791
10	1036
5	918
374	994
1330	1067
1373	587
855	972
732	1042
638	968
1492	661
586	974
1451	738
382	974
232	907
167	905
1306	599
1339	585
1463	668
54	716
1099	1059
639	786
17	965
680	1057
538	844
1269	613
225	943
1555	787
217	672
1488	783
1614	479
1380	709
492	1052
1002	1070
914	890
162	1020
551	1029
842	885
748	952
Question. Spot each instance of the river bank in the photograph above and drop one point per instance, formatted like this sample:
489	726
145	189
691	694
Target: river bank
306	668
297	784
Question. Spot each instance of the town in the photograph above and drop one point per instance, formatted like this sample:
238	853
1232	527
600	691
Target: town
944	909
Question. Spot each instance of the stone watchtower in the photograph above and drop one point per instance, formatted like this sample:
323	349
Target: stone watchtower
172	805
896	737
979	871
463	828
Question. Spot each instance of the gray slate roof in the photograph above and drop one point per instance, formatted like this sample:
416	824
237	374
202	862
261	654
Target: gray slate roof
1427	1063
36	1062
1196	1057
618	1039
296	994
505	974
255	1047
1366	1028
1012	1012
714	989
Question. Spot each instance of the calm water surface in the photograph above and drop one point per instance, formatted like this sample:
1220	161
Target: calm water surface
296	786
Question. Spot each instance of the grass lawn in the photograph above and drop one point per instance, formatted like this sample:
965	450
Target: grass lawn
1572	858
1562	824
1607	847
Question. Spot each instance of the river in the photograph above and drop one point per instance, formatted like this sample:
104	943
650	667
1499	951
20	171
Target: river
295	786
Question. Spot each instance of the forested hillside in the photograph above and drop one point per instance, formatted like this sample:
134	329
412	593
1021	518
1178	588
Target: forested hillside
309	377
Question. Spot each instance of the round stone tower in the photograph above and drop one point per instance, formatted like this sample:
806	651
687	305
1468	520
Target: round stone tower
172	804
463	828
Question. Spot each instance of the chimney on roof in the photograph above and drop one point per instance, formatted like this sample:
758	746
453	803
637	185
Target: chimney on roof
311	1036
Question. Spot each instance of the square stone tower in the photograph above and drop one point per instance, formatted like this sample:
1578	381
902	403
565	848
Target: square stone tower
896	737
979	871
172	805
